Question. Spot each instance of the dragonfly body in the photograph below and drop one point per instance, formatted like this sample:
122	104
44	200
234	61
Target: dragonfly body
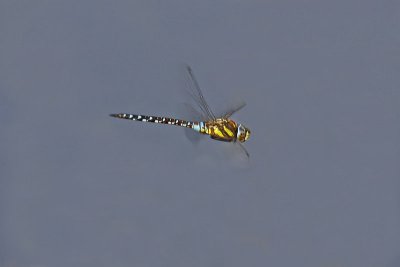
220	128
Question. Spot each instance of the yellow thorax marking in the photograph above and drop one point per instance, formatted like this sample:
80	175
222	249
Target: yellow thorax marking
217	131
228	131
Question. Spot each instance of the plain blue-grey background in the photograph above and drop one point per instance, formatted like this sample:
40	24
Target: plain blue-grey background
322	86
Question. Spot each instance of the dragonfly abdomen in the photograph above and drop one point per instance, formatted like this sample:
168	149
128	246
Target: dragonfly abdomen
154	119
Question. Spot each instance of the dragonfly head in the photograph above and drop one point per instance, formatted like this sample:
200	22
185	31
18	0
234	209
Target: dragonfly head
243	133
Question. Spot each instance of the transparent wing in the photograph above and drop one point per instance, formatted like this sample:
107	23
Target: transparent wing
244	150
236	153
197	95
234	108
189	112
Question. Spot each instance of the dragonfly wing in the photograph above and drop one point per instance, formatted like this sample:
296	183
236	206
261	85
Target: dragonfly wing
197	95
193	136
244	150
236	154
189	112
234	108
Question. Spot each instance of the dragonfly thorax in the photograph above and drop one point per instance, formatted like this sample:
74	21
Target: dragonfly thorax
223	129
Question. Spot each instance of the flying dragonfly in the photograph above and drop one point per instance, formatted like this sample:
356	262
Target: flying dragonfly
220	128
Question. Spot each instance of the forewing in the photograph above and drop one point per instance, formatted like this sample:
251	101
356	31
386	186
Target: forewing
243	149
233	109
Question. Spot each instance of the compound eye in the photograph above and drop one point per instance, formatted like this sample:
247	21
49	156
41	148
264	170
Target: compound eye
241	133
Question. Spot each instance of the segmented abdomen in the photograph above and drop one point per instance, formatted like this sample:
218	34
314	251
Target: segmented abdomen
154	119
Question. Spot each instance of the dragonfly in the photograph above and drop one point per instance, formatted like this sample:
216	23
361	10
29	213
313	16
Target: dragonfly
220	128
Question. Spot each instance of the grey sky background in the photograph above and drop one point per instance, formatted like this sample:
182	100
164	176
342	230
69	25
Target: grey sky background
321	81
